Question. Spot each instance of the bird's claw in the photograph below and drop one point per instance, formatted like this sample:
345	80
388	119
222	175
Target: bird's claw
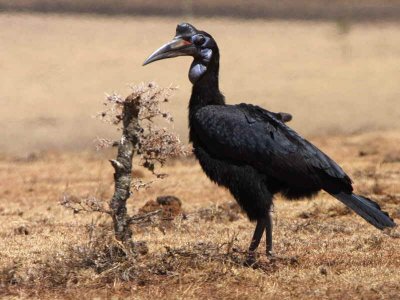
251	259
270	254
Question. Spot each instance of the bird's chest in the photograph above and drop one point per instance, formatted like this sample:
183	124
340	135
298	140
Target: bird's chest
221	171
217	170
243	181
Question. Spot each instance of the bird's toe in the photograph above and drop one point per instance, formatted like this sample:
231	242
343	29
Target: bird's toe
251	259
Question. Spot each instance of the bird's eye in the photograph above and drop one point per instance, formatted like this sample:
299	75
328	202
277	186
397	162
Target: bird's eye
199	39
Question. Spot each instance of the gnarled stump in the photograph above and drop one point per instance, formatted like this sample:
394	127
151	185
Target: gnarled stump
123	168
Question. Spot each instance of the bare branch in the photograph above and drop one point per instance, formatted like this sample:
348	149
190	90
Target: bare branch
88	204
140	218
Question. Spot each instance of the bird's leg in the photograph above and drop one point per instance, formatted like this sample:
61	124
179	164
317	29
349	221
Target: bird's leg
255	241
258	232
268	233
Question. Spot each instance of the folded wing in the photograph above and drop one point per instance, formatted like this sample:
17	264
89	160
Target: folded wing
247	134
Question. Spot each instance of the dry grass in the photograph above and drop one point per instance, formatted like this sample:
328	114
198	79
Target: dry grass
58	69
50	252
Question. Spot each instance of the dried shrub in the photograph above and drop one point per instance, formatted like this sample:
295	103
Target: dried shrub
85	204
156	144
135	116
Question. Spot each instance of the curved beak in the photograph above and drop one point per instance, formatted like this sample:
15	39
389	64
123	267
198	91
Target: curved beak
177	47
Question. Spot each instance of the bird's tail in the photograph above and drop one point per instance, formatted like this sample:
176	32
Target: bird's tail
367	209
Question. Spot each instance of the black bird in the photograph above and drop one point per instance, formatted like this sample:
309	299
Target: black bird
250	150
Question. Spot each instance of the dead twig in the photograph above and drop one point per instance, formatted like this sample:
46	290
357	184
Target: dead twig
139	218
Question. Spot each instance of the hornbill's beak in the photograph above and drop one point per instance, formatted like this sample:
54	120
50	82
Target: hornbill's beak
177	47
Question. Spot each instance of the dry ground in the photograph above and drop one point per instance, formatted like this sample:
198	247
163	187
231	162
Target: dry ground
46	251
56	69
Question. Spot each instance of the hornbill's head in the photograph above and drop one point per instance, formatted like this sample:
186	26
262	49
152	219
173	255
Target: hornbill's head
188	41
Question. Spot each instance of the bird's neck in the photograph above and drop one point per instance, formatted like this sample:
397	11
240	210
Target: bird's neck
206	90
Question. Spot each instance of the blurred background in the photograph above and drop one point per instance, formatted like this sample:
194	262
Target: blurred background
335	65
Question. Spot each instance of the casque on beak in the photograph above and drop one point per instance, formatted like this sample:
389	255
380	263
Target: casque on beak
177	47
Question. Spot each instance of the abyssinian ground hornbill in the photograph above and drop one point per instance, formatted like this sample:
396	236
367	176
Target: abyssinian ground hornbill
250	150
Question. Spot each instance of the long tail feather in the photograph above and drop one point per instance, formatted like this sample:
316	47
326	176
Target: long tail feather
367	209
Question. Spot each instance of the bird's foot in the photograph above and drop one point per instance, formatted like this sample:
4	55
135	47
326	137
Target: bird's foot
251	259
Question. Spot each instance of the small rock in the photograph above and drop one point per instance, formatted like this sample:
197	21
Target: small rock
168	200
171	206
149	206
21	230
323	271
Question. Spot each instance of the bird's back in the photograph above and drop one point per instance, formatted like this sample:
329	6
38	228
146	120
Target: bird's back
247	134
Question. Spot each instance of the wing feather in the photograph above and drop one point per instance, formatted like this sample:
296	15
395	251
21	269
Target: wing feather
247	134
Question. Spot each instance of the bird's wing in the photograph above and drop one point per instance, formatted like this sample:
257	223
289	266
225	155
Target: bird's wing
247	134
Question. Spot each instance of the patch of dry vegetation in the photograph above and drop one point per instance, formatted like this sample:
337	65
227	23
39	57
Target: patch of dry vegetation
196	247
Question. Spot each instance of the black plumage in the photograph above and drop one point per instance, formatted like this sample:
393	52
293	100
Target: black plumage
250	150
